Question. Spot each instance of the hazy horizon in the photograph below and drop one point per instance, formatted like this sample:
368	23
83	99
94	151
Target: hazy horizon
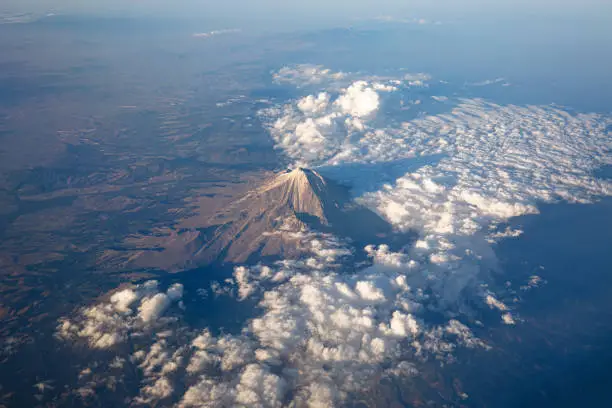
318	11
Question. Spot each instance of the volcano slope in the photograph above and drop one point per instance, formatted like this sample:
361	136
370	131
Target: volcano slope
267	222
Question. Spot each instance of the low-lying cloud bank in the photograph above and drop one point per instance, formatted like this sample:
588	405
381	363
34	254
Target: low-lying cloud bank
322	336
326	332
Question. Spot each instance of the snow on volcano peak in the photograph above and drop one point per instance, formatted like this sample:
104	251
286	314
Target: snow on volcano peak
268	220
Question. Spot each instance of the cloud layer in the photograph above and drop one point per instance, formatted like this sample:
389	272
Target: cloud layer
321	337
328	326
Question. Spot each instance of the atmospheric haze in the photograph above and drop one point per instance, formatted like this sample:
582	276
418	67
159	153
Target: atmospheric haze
200	212
317	12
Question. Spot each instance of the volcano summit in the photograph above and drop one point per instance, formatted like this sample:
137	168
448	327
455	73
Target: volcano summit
267	221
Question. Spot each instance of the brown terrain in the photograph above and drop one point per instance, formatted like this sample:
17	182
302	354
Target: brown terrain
112	144
265	222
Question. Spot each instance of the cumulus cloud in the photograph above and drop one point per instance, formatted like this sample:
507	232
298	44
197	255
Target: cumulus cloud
151	308
313	105
494	303
127	312
358	100
507	318
316	126
123	299
257	386
320	127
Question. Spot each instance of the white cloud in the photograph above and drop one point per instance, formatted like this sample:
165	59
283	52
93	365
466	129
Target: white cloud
107	324
494	303
403	325
160	389
258	387
316	127
440	98
151	308
122	300
508	319
378	86
216	33
175	292
245	286
506	233
313	105
369	292
207	393
359	100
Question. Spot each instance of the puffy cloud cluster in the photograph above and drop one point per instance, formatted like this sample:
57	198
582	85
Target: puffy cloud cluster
322	334
327	254
128	312
316	127
359	100
311	105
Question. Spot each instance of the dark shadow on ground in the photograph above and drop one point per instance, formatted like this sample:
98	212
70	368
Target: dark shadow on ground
367	177
559	355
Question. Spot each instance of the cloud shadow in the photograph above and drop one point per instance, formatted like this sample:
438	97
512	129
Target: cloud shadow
362	178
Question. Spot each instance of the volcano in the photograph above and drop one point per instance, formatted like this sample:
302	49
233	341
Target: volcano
267	221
